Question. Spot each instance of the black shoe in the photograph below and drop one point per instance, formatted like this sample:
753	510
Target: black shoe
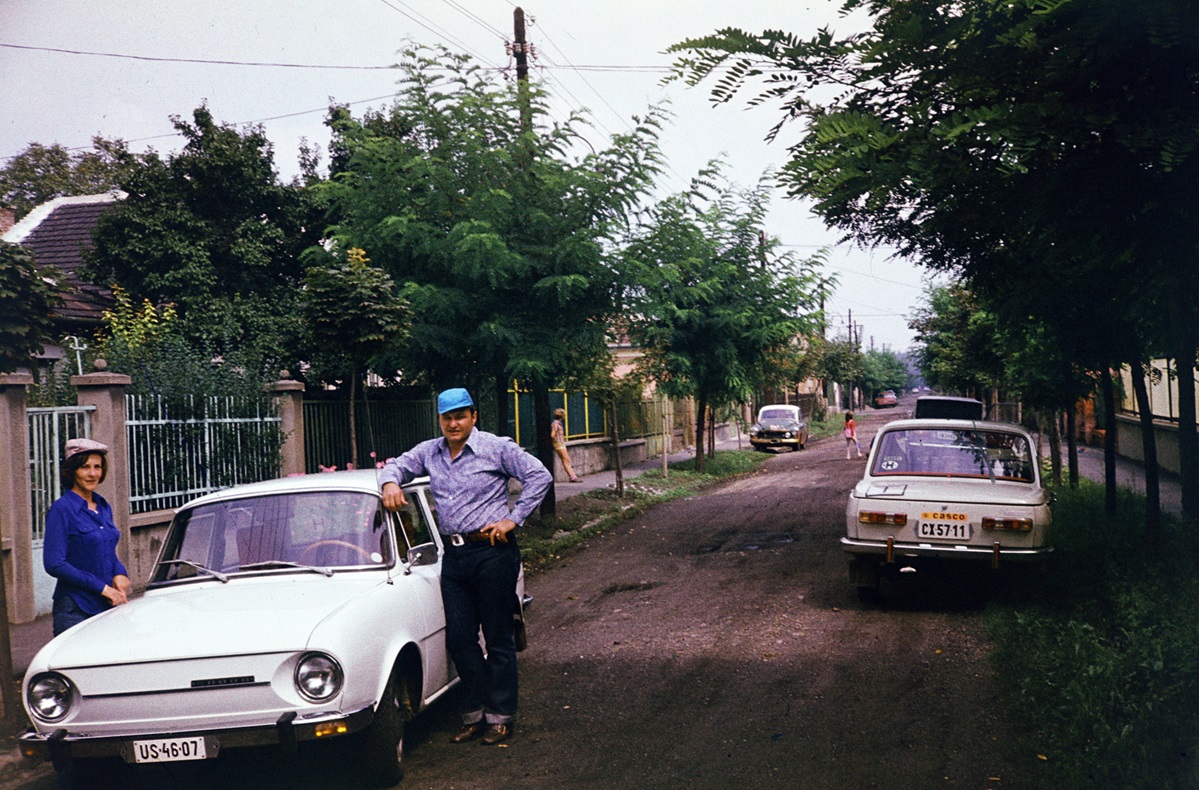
468	732
497	733
518	633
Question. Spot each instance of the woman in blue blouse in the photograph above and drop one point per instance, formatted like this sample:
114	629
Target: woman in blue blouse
81	540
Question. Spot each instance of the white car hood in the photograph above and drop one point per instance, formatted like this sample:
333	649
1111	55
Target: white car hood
923	489
208	618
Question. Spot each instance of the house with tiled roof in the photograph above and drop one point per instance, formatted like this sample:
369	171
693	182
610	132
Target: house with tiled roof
58	233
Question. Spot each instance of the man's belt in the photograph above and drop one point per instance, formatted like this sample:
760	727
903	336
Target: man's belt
462	538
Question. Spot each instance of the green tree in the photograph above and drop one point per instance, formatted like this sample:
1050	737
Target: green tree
27	300
352	314
883	370
717	300
211	230
498	232
44	172
1044	149
957	340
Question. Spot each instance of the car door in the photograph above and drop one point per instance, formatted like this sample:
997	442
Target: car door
415	527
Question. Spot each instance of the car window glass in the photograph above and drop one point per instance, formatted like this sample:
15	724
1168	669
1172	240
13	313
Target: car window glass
414	529
339	529
955	453
777	414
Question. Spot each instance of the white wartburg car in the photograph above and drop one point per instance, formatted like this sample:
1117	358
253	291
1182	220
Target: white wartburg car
280	612
948	489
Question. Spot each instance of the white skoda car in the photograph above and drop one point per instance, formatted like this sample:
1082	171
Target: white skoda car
281	612
949	490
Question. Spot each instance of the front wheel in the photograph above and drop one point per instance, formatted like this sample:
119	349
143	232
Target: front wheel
383	741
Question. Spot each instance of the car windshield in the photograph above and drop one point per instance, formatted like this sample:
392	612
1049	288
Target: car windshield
939	452
776	414
319	529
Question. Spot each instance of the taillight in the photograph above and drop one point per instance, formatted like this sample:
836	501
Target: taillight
872	517
1015	524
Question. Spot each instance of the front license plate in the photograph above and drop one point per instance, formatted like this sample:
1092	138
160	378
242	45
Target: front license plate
169	750
944	530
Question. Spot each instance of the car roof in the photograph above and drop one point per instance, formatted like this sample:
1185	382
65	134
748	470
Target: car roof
788	406
361	480
936	423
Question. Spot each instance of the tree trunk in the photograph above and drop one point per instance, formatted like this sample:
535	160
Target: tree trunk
711	433
1055	449
1153	502
1072	446
1109	442
701	408
617	464
542	418
1188	440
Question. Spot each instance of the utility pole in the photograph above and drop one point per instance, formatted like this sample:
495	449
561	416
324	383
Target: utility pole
521	50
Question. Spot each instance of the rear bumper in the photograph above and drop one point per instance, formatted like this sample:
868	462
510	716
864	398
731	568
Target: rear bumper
889	550
61	746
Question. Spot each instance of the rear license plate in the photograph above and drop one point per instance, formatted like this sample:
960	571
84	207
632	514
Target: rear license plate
169	750
944	530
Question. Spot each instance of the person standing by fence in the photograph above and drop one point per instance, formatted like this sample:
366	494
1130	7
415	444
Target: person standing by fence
81	540
558	438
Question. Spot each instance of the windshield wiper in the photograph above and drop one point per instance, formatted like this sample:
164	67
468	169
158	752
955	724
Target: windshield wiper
283	564
220	576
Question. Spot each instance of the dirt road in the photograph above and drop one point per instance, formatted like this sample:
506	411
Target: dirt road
715	642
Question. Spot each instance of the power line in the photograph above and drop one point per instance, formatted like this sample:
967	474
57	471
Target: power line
480	21
328	66
431	26
205	61
234	123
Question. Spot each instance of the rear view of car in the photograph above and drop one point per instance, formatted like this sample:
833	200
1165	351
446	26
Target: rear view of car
946	490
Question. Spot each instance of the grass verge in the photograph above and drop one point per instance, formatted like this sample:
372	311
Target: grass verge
586	515
1100	657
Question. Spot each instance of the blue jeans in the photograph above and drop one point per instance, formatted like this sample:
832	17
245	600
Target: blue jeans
478	589
67	613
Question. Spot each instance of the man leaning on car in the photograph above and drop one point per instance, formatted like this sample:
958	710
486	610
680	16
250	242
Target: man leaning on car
468	471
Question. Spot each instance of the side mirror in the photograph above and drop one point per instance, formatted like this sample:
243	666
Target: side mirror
424	554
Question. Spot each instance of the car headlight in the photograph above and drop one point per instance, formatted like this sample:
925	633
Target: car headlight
754	431
49	696
787	435
318	677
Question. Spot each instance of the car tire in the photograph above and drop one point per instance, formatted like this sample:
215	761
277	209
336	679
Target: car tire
382	744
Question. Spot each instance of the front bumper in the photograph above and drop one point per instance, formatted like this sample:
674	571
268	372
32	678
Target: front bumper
61	746
890	549
773	441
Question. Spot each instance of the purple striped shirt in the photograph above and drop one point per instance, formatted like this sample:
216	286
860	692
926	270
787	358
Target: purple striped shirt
471	490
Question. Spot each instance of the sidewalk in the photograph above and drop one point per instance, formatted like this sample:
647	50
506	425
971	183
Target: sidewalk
1129	474
28	638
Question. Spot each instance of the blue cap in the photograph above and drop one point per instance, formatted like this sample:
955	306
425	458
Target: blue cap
454	399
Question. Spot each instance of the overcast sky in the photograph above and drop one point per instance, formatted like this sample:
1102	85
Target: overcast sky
602	55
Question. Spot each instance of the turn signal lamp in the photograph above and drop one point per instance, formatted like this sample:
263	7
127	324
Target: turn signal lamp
892	519
1014	524
330	728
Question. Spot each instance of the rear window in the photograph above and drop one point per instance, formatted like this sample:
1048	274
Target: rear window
955	453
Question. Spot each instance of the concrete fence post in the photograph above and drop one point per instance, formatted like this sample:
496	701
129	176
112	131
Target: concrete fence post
16	506
289	398
106	391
